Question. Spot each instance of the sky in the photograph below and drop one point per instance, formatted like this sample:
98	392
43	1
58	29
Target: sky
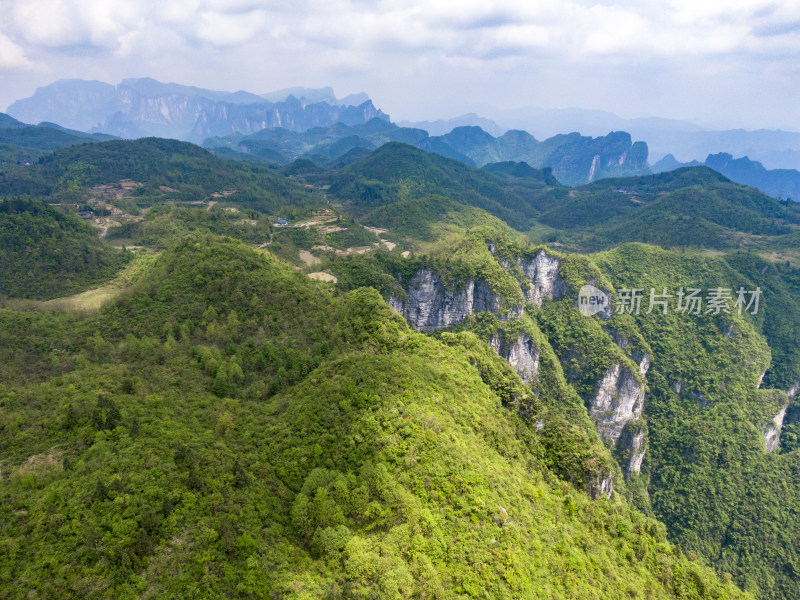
719	63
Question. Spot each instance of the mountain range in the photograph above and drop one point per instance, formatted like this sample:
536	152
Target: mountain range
573	159
145	107
778	183
688	141
224	120
371	377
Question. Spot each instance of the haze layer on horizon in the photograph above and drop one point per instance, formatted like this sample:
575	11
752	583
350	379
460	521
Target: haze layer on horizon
721	64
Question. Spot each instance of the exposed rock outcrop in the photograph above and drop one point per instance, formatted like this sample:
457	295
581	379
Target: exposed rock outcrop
432	306
619	399
542	271
620	396
522	354
600	485
633	442
772	431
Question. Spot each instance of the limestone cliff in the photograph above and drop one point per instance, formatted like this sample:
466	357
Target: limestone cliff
619	399
772	431
542	272
521	354
618	408
432	306
600	485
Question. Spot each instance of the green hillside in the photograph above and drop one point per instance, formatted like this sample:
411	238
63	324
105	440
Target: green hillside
21	143
47	253
711	482
398	172
160	171
694	206
217	441
714	385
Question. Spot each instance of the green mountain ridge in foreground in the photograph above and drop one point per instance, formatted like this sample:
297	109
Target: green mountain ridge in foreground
213	442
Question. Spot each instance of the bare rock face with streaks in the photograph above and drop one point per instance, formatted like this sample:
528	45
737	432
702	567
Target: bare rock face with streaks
600	485
521	354
772	431
432	306
542	271
619	399
623	423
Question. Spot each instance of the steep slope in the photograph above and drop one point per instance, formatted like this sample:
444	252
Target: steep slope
676	395
693	206
575	159
715	478
218	441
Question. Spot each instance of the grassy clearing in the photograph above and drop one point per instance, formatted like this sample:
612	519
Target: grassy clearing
90	300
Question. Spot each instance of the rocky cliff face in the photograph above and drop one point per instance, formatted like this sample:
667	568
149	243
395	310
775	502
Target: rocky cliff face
521	354
772	431
601	485
542	271
633	442
619	399
574	159
432	306
626	413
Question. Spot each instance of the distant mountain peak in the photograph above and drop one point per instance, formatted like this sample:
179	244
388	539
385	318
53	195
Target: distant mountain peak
146	107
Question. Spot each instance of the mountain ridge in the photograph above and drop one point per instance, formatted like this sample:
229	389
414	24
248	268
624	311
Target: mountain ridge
778	183
146	107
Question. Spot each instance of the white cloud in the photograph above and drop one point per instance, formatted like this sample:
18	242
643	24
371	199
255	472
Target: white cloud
569	28
59	23
11	55
484	47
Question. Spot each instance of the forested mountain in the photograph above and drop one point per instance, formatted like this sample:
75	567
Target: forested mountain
775	148
574	159
374	380
22	144
47	253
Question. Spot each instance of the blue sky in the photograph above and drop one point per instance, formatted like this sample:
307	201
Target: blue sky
730	63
